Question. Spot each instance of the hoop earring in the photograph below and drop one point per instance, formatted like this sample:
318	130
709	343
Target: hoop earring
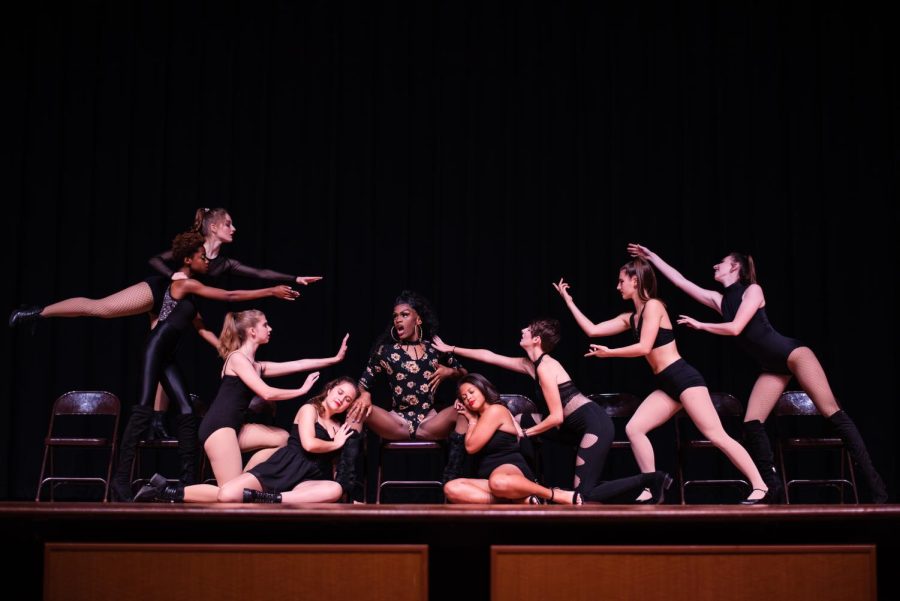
419	332
395	338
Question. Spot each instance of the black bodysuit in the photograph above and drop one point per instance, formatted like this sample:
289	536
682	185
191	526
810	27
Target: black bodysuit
229	408
758	338
292	464
175	317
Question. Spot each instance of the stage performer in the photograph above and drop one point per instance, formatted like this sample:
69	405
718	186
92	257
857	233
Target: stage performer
680	385
742	307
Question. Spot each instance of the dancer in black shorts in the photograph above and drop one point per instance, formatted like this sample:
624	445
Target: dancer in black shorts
680	385
742	306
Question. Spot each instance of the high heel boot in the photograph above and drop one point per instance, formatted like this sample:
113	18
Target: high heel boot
159	489
157	430
346	474
846	429
756	441
188	446
259	496
120	487
456	454
25	314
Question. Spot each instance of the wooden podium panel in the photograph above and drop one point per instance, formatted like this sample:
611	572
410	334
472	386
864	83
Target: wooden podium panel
173	572
689	573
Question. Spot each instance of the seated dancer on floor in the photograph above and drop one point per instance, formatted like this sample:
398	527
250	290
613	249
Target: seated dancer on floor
217	229
177	313
492	435
680	385
223	430
406	357
302	471
565	406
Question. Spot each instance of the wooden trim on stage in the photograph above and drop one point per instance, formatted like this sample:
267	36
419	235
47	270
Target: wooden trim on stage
91	571
684	573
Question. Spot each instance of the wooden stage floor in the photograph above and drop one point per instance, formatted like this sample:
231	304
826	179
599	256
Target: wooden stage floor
460	540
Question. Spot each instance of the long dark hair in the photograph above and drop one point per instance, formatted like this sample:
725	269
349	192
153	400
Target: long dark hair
748	269
646	277
491	396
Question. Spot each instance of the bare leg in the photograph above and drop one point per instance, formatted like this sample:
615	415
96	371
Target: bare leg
233	490
803	363
508	482
468	490
438	426
201	493
133	300
702	412
224	455
654	411
387	424
314	491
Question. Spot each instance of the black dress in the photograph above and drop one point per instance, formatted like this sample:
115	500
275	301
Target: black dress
292	464
502	448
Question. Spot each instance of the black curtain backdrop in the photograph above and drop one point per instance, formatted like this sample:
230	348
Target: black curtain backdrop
473	151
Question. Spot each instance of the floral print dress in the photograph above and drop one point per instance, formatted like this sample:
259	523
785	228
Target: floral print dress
411	396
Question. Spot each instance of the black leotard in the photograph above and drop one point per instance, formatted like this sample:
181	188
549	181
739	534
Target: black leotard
501	449
758	338
229	407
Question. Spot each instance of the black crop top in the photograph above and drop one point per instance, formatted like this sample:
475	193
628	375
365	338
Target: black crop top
663	335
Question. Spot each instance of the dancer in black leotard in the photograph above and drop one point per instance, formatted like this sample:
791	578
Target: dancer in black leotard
217	229
563	405
492	435
300	472
742	307
406	357
680	385
224	432
177	312
145	297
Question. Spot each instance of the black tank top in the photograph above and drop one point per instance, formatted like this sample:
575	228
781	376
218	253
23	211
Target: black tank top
567	390
663	335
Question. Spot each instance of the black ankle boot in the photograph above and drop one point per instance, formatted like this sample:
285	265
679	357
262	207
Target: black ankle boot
846	429
756	441
661	483
346	474
159	489
120	487
188	446
157	430
259	496
25	314
456	454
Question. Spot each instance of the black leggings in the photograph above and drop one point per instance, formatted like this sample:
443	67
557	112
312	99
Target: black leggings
159	366
590	421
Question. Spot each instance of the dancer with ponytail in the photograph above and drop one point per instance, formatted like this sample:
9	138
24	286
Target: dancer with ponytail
742	307
223	431
680	385
178	311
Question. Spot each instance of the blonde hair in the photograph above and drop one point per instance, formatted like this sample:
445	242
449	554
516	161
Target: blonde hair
234	330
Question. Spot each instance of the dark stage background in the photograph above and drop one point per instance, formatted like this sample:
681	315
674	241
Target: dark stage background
473	151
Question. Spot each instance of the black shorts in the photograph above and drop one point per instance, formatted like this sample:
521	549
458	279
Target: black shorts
678	377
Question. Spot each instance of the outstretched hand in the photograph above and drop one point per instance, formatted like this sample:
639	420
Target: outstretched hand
598	350
441	346
563	288
308	384
284	292
343	350
690	322
637	250
306	280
